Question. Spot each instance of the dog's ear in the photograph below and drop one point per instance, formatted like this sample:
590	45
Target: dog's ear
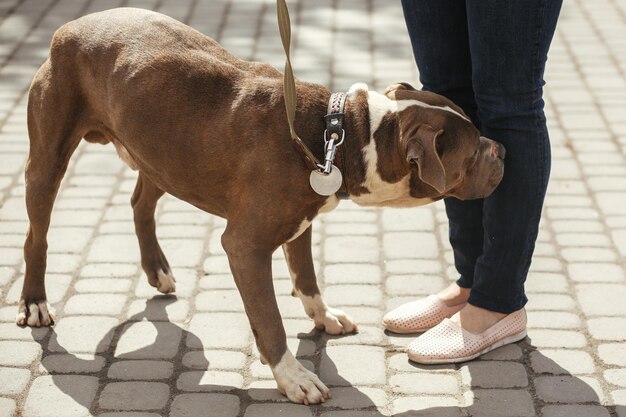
390	91
422	149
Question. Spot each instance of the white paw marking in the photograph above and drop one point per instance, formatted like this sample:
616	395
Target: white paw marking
167	282
331	320
35	315
298	383
335	321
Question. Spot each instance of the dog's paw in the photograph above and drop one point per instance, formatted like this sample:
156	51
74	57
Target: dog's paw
34	314
166	282
297	383
335	321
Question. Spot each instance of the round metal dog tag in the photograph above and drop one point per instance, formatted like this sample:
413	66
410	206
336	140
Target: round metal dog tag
326	184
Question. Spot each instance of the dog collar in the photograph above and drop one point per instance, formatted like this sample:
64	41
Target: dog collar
329	179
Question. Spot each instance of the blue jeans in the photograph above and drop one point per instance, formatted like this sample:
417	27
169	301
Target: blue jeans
488	56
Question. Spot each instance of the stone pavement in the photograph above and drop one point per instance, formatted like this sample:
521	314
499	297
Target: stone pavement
120	350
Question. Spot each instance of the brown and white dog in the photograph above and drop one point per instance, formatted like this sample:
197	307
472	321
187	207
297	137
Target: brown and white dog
210	129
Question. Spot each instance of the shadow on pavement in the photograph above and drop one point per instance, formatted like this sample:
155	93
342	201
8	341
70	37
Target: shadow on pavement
556	385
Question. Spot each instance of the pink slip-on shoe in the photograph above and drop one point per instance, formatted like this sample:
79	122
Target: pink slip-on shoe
448	342
419	316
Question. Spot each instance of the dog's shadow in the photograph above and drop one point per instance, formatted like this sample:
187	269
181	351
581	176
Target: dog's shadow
559	385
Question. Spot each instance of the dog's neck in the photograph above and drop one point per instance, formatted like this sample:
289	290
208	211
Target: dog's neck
310	125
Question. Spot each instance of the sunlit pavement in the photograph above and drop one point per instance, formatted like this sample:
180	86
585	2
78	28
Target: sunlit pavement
119	350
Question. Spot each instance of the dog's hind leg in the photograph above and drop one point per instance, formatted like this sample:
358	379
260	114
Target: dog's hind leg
153	261
54	135
302	271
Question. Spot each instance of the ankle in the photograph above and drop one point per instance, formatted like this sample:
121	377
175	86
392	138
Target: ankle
454	295
476	319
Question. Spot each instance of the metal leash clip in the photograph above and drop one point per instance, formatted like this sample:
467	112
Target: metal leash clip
330	149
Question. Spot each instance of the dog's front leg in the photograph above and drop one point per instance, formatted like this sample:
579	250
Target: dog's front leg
302	271
251	266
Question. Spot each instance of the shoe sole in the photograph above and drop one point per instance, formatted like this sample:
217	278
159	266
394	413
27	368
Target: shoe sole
408	331
506	341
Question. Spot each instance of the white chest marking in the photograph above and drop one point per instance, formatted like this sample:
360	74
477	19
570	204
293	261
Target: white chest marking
331	203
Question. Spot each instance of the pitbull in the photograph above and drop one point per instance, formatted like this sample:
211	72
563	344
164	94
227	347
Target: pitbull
209	128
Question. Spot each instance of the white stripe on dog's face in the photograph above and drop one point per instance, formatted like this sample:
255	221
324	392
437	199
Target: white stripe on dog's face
383	193
405	104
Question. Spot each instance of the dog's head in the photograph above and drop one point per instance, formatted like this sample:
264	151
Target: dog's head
431	146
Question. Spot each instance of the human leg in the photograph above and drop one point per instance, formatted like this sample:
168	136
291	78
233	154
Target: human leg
509	44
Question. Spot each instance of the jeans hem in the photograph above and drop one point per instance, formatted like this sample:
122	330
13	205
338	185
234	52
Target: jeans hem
504	305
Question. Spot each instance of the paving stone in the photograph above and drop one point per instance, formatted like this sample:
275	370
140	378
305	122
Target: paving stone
214	359
11	331
368	295
427	406
209	381
342	365
109	270
619	398
95	304
367	335
7	407
550	302
18	353
137	395
495	374
546	282
103	285
602	299
424	383
616	376
613	353
91	334
349	249
568	389
128	414
414	285
596	272
192	405
575	411
553	320
410	245
73	364
608	328
140	370
273	410
61	395
356	397
219	300
221	282
562	362
413	266
13	380
352	274
499	403
114	248
164	308
265	390
218	331
148	340
556	338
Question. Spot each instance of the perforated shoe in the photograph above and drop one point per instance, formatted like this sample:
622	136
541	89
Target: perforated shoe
419	316
448	342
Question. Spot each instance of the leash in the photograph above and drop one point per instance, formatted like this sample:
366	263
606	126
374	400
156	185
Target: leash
326	178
